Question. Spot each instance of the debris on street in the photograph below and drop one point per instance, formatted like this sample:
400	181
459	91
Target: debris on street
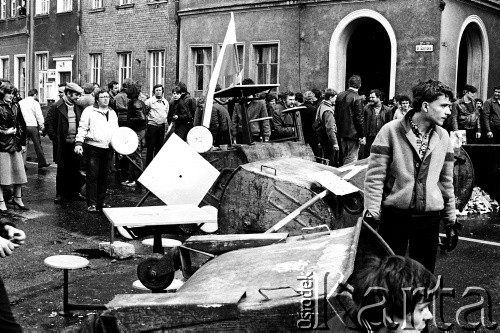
479	203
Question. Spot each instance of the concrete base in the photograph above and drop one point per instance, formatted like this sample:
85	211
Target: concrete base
118	250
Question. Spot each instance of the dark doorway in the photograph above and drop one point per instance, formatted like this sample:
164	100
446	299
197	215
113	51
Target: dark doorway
369	55
470	59
462	66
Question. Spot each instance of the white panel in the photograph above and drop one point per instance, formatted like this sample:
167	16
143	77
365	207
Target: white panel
178	174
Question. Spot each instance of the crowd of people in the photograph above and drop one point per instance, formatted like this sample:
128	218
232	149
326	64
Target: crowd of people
409	179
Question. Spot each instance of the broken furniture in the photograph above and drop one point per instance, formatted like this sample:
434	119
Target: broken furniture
67	262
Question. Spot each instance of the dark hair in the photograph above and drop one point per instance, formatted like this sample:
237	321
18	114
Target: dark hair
6	88
286	94
479	100
377	93
317	93
247	82
111	84
496	88
299	97
32	92
183	87
329	93
217	87
62	84
404	98
382	280
270	97
133	91
428	92
177	90
355	81
99	91
158	86
469	88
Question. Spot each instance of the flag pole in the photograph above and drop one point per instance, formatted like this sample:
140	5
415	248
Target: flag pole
230	38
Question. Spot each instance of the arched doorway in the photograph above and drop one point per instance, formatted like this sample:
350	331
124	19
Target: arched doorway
369	55
473	56
363	43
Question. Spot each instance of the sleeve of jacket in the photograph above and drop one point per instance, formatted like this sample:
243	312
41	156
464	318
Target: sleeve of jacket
197	121
376	173
234	121
182	112
478	121
446	185
454	117
359	119
83	126
49	122
331	126
39	115
265	124
485	116
22	126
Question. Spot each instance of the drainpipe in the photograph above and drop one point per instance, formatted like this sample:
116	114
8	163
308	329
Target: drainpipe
178	42
30	63
79	33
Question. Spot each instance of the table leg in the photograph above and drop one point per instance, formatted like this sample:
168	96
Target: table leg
65	310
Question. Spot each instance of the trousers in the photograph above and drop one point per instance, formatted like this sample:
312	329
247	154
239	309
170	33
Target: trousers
413	231
98	161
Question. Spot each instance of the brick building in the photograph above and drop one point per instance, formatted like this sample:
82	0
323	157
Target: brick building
125	38
320	43
39	50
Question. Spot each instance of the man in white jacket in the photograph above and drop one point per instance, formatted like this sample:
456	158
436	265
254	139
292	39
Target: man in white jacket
32	114
96	127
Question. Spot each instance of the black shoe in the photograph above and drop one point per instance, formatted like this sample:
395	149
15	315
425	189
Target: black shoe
104	205
44	166
17	205
92	209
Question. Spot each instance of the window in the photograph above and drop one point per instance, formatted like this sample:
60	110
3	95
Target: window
20	74
64	6
3	9
157	67
266	63
4	68
125	2
95	67
42	7
229	80
96	4
202	57
125	66
13	8
41	66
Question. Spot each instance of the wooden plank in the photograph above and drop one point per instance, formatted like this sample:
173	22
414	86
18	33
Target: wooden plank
334	183
217	244
141	312
158	215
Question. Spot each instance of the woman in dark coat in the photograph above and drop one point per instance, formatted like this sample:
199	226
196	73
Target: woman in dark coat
12	144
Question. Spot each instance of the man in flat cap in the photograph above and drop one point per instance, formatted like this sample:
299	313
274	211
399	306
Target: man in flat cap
61	125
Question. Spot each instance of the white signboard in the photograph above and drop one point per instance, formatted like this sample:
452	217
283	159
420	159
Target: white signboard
178	174
424	48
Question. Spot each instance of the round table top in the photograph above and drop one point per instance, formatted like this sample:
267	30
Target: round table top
165	242
66	262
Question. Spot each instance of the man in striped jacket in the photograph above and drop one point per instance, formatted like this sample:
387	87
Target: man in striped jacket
409	180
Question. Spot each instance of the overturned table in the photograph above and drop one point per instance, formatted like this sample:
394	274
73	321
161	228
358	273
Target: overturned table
153	216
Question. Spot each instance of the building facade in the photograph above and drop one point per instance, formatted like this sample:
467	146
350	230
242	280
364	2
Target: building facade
40	50
301	44
134	39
